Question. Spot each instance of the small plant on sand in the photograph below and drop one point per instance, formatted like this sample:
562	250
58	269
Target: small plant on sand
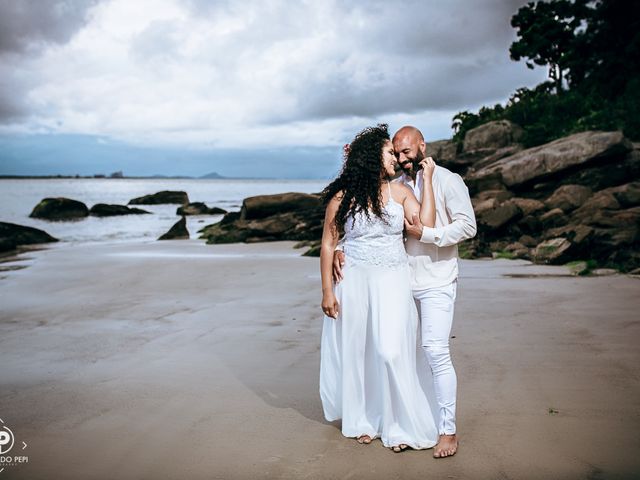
503	254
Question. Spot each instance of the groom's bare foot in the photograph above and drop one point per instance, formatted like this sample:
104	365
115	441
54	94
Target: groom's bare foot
446	447
364	439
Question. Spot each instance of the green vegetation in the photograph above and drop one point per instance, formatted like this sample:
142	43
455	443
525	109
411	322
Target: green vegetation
592	50
582	267
504	254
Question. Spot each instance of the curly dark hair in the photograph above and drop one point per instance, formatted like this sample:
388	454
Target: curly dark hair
360	178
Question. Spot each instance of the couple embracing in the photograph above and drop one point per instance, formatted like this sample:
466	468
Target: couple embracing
385	368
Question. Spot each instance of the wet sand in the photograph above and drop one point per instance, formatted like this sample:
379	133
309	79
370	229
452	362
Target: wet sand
181	360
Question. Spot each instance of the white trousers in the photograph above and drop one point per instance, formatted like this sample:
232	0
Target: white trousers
435	309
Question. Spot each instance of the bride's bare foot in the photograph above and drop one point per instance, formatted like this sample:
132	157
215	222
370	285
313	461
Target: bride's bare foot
366	439
400	448
446	447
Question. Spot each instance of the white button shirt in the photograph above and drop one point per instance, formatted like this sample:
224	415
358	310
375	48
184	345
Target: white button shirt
434	258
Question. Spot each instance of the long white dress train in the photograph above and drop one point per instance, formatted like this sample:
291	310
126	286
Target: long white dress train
368	368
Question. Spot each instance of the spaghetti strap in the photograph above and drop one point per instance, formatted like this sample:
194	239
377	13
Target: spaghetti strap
389	187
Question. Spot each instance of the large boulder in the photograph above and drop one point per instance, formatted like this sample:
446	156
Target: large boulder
59	208
111	210
537	163
199	208
443	151
492	136
627	195
289	216
528	205
13	235
262	206
177	232
555	250
568	197
500	215
163	197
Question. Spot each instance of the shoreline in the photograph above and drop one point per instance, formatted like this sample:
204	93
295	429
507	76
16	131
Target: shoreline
170	360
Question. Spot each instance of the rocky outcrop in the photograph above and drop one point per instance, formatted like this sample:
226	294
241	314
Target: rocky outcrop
163	197
492	136
563	156
263	206
574	199
111	210
59	209
177	232
288	216
13	235
199	208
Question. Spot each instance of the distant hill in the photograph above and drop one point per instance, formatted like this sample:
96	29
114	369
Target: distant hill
212	175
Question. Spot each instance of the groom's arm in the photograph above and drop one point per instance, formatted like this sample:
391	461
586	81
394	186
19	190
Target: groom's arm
460	210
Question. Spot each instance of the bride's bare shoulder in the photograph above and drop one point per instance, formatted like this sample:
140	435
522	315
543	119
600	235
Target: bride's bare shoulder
400	189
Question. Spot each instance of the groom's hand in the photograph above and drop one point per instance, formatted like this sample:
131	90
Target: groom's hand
413	227
338	262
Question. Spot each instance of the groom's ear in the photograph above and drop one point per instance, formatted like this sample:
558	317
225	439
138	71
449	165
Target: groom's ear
423	149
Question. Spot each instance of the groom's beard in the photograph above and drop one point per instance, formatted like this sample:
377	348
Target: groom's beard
415	164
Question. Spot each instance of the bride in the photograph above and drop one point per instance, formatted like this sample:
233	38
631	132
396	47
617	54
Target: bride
368	372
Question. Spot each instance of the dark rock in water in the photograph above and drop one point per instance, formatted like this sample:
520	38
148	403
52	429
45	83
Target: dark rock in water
263	206
12	235
7	244
165	196
59	208
199	208
177	232
110	210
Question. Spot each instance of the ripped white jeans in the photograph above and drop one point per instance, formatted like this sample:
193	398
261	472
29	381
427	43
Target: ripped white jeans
435	309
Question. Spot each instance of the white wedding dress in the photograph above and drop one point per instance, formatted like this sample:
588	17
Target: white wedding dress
368	370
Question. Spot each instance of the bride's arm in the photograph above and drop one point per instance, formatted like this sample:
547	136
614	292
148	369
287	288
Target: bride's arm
330	304
428	203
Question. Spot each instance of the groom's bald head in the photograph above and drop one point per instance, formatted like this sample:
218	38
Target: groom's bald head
409	146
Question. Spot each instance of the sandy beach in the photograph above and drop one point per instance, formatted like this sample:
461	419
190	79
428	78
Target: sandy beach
179	360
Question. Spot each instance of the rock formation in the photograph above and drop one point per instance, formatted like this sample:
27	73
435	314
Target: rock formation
177	232
576	198
13	235
199	208
165	196
110	210
59	209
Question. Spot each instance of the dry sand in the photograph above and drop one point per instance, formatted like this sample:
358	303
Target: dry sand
177	360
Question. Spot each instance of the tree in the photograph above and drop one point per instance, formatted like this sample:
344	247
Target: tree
546	35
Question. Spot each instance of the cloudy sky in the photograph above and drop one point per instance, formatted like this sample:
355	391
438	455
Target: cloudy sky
254	88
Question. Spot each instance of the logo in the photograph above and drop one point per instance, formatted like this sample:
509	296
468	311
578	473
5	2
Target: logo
7	441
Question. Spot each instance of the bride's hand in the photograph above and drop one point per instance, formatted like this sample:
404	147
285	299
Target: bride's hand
428	166
330	305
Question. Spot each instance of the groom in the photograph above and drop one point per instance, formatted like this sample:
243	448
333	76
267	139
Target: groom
433	260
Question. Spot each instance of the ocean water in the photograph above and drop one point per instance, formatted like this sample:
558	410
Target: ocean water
19	196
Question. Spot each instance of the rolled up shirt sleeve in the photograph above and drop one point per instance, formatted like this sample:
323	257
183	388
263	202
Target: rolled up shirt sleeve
460	211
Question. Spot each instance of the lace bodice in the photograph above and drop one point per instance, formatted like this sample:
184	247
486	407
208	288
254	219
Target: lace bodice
373	241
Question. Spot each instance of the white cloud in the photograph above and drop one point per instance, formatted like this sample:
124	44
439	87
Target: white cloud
266	73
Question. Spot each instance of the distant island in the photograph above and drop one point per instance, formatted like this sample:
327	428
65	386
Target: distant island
118	175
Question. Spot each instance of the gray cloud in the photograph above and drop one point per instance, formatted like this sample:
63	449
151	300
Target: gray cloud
26	24
26	27
219	72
